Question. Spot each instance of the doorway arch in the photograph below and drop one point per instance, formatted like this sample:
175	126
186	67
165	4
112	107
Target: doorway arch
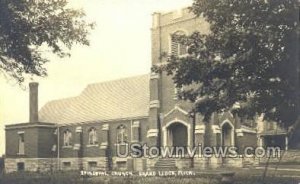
227	134
176	133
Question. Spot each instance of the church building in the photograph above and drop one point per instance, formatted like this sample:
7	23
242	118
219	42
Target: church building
86	131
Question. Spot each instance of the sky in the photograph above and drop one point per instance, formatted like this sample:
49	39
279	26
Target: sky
120	47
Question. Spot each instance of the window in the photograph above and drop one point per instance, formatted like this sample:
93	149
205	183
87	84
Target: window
67	138
121	165
121	134
177	47
92	165
21	143
93	140
20	166
177	91
66	165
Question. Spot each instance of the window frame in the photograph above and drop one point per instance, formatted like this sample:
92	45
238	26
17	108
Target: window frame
21	143
178	45
94	141
69	142
124	134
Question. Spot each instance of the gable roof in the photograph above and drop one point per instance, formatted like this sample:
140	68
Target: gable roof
119	99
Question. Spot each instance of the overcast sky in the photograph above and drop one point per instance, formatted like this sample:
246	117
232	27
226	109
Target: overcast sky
120	47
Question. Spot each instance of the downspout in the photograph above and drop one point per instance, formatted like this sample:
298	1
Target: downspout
58	150
131	132
131	138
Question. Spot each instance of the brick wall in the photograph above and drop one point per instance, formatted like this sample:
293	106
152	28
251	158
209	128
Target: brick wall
38	140
247	140
167	25
94	150
30	141
46	139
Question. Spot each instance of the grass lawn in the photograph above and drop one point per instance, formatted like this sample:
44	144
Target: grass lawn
242	176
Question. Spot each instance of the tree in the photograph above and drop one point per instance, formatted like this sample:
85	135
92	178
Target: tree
28	27
247	64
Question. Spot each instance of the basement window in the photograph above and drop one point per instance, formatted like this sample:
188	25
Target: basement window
20	166
67	165
92	165
121	165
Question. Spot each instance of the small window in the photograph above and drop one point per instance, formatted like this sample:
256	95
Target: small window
92	165
66	164
121	165
93	139
177	47
177	91
67	138
21	143
122	134
20	166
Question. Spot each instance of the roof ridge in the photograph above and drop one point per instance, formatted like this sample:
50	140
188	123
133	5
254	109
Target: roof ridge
64	98
120	98
119	79
95	83
58	100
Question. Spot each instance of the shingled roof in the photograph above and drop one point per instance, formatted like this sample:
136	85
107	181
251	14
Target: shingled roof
119	99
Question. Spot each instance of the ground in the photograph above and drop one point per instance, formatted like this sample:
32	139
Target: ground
242	176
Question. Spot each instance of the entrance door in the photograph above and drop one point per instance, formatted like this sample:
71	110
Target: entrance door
179	135
227	135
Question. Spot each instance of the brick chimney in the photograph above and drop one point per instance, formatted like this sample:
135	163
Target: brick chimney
33	102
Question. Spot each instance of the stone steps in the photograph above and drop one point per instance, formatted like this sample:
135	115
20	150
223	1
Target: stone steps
165	164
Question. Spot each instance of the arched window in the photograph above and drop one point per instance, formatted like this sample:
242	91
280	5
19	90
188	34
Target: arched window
67	138
177	48
122	134
93	139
